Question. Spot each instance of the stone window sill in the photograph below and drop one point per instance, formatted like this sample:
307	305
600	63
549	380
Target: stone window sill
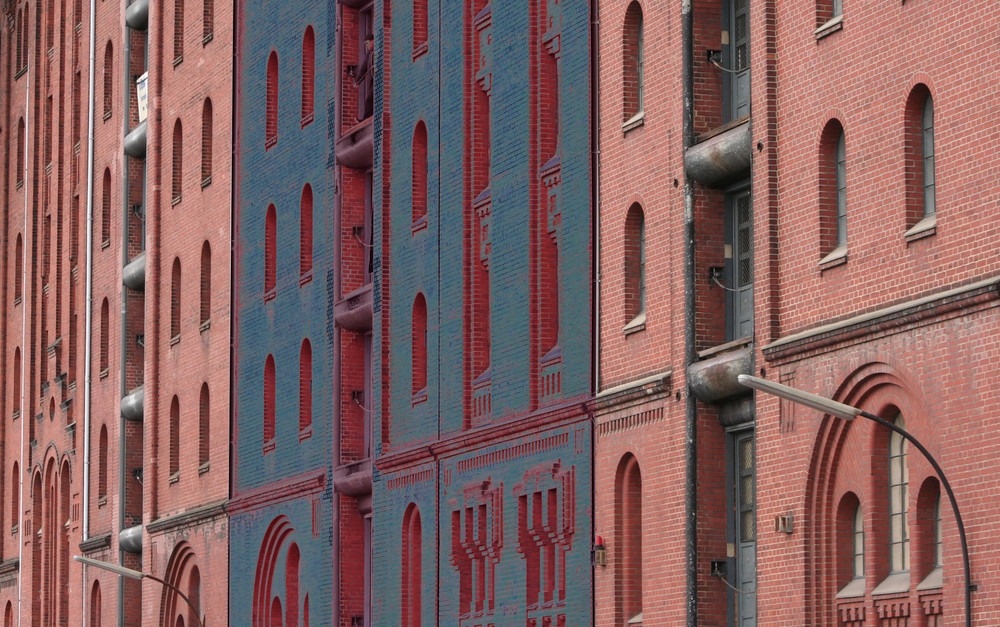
637	324
854	589
420	51
269	446
637	120
831	27
103	374
419	225
419	397
105	244
933	581
204	468
925	228
305	434
896	583
837	257
175	339
174	478
101	502
205	326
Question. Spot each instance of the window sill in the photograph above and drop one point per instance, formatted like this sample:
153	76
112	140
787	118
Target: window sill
204	468
837	257
174	478
269	446
925	228
19	184
17	301
205	326
853	590
306	278
270	142
21	72
101	502
15	415
105	244
419	225
270	294
637	120
420	51
831	27
103	374
207	38
419	397
307	120
178	60
13	530
933	581
305	434
205	182
637	324
176	200
175	339
896	583
107	116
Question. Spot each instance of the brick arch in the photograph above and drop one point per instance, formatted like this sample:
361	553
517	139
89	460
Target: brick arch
885	389
276	536
182	572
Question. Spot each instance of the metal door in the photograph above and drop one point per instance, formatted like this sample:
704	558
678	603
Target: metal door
739	265
745	532
737	36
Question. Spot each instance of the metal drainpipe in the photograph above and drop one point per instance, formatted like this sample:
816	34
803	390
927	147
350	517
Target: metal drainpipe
89	289
24	328
595	213
337	253
691	407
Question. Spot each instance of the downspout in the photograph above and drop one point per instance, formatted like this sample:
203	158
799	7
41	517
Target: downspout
595	226
24	332
153	254
691	407
337	254
89	296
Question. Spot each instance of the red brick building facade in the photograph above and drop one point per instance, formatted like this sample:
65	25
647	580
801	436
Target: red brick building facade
828	225
115	403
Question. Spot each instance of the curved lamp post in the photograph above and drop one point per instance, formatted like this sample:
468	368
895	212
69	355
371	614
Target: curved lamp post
138	575
847	412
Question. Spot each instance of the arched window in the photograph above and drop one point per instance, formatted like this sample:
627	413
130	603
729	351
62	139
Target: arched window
204	427
194	593
421	18
269	409
178	156
858	543
18	269
109	79
102	465
305	390
20	44
833	192
292	586
206	143
178	31
628	529
411	568
308	74
899	477
270	249
306	231
175	300
175	437
633	59
927	156
418	341
206	283
104	339
271	121
208	21
15	496
419	175
106	208
19	175
16	384
635	262
95	605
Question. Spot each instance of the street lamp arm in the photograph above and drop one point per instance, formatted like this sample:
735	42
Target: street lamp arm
951	497
194	607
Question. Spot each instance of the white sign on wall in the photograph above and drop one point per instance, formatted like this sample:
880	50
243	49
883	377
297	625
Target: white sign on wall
141	91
